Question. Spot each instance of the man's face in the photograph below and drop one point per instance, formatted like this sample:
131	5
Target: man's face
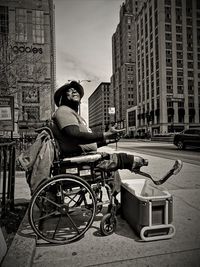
73	95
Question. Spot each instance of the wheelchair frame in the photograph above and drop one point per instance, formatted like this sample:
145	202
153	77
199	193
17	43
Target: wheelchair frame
63	207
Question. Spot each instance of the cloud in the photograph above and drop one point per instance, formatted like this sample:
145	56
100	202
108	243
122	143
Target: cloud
84	30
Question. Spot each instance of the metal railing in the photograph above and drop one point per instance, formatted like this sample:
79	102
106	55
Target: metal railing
7	176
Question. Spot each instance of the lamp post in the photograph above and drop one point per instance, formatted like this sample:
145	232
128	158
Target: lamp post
80	81
16	120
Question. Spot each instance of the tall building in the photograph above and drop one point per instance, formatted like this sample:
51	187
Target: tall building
123	80
27	64
98	105
168	66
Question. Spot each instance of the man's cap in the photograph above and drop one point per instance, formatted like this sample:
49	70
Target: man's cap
59	93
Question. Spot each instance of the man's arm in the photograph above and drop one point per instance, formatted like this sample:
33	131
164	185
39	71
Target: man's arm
82	138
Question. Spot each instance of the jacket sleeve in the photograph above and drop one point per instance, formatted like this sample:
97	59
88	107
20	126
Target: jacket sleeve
82	137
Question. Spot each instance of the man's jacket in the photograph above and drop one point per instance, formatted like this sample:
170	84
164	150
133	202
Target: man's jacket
37	160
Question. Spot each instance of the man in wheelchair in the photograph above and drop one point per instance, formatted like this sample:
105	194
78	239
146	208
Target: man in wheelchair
75	138
67	202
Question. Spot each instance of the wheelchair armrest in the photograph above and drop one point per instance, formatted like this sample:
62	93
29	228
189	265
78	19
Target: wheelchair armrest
83	158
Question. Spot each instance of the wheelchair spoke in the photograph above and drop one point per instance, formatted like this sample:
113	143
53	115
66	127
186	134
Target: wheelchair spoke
73	198
73	224
57	226
45	216
51	201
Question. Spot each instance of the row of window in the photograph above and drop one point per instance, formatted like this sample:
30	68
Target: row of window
22	26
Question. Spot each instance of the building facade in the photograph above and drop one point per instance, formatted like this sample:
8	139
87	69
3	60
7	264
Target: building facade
168	66
27	62
98	108
123	80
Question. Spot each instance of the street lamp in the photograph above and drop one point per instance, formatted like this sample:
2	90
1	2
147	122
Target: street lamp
80	81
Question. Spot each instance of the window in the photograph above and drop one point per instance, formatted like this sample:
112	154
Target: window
3	20
190	73
179	38
178	3
179	63
21	25
30	94
168	45
168	27
191	102
38	26
180	89
179	29
167	14
169	62
31	113
169	89
168	36
190	65
132	118
179	55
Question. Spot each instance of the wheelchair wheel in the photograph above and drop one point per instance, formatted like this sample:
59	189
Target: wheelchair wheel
108	224
62	209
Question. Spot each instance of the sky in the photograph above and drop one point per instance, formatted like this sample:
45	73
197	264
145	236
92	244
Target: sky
84	30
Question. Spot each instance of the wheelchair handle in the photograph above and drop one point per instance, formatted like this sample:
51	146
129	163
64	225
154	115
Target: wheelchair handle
45	128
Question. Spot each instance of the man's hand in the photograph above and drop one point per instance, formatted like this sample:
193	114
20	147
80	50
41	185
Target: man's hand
112	141
113	133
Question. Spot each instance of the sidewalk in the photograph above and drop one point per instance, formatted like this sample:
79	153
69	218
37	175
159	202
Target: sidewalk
123	248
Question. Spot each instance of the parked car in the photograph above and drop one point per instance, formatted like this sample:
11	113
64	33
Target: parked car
189	137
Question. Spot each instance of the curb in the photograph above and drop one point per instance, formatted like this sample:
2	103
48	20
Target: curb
3	246
22	249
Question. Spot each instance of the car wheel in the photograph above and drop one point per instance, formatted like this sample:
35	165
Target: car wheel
180	145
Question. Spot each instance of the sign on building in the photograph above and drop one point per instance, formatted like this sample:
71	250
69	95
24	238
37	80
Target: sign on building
6	113
111	110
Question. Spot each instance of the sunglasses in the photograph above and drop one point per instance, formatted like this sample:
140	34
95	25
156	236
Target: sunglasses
72	90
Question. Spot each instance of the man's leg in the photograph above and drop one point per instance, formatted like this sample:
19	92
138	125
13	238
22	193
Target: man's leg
121	161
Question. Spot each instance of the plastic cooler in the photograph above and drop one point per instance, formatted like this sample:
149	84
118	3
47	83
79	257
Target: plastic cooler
147	209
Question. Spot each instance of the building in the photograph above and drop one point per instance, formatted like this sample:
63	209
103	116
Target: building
28	56
98	105
168	66
123	80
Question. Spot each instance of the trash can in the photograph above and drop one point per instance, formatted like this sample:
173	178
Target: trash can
147	209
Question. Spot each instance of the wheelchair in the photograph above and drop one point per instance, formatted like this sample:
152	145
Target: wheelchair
63	207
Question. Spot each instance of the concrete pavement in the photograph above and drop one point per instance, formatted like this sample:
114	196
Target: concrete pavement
123	248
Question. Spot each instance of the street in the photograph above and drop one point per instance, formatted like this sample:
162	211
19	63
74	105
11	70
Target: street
124	247
163	150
